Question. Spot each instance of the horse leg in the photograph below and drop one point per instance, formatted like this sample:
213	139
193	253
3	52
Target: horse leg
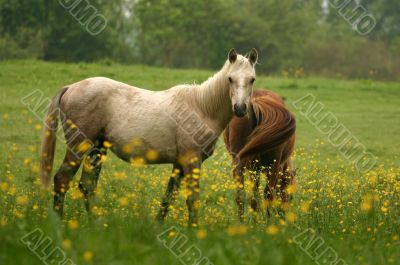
239	177
269	188
191	172
288	178
268	197
90	176
255	200
62	178
173	186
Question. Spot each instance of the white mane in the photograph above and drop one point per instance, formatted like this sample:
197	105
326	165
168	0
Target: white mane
213	93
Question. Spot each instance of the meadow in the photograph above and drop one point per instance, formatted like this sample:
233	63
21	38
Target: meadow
354	216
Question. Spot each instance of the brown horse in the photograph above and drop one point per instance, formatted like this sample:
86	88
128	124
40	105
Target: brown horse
263	142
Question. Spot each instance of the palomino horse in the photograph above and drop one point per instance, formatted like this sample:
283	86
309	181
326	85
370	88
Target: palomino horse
262	142
179	126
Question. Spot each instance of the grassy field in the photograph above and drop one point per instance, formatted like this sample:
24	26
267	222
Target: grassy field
354	217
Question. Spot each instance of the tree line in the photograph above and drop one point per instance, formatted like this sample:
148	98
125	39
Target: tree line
293	37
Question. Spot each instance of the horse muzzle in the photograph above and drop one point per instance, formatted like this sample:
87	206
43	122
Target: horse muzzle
240	110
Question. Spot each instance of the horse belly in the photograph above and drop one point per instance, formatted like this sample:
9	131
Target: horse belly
149	135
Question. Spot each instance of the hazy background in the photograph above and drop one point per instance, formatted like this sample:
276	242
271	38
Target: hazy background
294	37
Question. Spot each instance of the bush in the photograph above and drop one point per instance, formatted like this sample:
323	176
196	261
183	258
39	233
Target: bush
26	43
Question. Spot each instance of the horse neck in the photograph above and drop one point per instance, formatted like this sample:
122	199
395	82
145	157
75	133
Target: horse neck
213	97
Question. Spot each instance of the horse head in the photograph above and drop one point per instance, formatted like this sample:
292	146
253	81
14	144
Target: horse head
241	76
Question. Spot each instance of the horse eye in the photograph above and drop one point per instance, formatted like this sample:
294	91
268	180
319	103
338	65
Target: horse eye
253	80
230	80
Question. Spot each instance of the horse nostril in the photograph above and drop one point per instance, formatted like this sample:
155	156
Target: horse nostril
240	110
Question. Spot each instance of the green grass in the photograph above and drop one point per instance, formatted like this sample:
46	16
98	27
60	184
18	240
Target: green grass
357	214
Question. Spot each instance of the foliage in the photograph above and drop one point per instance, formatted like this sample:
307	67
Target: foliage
26	43
290	34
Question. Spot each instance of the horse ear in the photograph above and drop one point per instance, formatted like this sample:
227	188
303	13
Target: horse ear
253	56
232	55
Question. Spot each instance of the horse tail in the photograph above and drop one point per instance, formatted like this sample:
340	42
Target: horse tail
275	125
49	138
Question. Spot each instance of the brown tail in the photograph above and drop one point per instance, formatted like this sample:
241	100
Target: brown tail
275	126
49	138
